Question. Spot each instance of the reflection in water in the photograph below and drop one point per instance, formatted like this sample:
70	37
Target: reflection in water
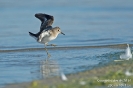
49	68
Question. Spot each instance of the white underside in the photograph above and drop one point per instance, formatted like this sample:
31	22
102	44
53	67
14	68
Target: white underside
45	37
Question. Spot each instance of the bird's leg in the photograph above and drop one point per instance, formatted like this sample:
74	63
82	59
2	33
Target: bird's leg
47	51
52	45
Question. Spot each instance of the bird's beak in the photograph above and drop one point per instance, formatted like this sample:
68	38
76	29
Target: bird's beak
62	33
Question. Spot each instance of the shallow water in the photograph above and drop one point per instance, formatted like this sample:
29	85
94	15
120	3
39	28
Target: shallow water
24	66
85	23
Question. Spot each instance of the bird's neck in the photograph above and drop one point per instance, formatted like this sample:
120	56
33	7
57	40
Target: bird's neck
53	33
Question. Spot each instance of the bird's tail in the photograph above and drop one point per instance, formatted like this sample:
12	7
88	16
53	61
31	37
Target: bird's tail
33	35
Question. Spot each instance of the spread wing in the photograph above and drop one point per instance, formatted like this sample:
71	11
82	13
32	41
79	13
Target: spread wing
46	20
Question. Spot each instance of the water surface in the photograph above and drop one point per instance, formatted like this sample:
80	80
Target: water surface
85	23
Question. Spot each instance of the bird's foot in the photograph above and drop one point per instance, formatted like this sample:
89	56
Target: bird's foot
52	45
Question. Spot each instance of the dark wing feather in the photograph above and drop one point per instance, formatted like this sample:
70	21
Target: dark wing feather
46	20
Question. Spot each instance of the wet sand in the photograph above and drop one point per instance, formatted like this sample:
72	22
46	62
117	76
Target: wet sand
115	46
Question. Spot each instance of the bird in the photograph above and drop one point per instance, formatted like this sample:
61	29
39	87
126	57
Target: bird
127	55
47	32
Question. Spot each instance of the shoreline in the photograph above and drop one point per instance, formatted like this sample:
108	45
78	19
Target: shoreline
99	76
121	46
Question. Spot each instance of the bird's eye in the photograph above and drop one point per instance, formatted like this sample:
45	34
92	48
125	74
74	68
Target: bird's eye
58	30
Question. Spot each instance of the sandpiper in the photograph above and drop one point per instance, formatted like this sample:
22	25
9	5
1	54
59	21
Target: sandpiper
127	55
47	32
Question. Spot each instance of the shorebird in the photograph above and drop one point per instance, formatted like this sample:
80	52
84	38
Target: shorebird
47	32
127	55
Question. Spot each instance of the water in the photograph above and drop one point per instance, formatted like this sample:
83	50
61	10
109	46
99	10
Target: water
85	23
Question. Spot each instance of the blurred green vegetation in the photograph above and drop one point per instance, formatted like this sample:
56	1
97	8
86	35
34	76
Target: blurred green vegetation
112	75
